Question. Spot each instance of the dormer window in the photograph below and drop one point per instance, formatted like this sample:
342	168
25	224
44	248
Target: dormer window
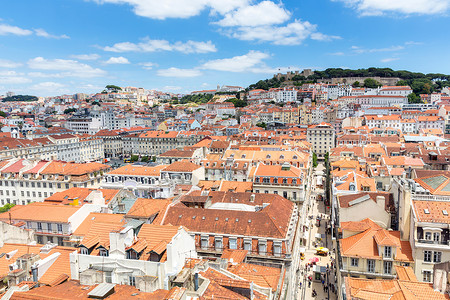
281	156
387	251
243	156
268	156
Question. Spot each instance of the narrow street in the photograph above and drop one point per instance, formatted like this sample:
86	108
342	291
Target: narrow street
316	237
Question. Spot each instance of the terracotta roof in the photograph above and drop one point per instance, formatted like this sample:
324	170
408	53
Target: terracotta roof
182	166
365	244
234	256
73	290
178	153
145	208
39	211
260	275
67	196
405	273
60	266
379	289
65	168
92	218
432	211
138	170
271	221
98	234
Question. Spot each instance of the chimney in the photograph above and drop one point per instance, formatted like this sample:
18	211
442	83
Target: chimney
196	281
381	201
252	198
96	197
119	240
34	273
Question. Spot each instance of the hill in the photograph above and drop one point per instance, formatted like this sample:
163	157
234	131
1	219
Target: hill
420	83
26	98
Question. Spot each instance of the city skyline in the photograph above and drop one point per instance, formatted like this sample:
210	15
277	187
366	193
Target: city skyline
52	48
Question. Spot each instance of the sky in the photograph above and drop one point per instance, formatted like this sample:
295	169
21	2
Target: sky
49	47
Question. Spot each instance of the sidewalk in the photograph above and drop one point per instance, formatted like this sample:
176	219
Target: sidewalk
305	292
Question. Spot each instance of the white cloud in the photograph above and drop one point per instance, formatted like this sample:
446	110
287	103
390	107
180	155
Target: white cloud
9	64
176	72
12	77
8	29
71	67
86	56
292	34
263	13
379	7
386	60
337	53
156	9
117	60
148	65
360	50
41	32
148	45
250	62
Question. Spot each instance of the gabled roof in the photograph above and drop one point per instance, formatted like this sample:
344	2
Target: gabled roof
39	211
145	208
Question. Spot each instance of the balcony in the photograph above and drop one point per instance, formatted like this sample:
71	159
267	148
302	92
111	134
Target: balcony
430	242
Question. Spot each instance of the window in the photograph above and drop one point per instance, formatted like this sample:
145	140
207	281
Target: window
28	225
370	265
233	243
285	194
108	277
218	243
132	280
354	262
262	247
84	250
387	251
49	227
436	237
437	256
40	240
428	236
103	252
266	180
60	228
39	226
427	256
387	267
248	244
60	241
204	242
277	248
426	276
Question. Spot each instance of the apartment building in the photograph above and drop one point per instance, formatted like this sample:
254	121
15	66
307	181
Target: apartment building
369	251
143	181
284	180
51	223
23	181
262	224
322	138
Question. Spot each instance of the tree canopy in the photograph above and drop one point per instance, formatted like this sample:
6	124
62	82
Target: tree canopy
238	102
26	98
198	98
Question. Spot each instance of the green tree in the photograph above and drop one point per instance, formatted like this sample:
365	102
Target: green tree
6	207
238	102
2	114
315	164
145	159
70	110
371	83
356	84
134	158
413	98
262	125
113	88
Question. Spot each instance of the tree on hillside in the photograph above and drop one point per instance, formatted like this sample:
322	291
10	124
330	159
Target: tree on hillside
238	102
262	125
2	114
356	84
371	83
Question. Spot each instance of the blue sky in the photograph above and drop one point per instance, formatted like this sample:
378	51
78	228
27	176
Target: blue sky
52	47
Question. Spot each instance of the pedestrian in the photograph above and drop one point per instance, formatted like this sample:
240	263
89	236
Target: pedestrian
309	284
300	284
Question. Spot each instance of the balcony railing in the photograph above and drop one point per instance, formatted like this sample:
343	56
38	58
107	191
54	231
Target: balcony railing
422	241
